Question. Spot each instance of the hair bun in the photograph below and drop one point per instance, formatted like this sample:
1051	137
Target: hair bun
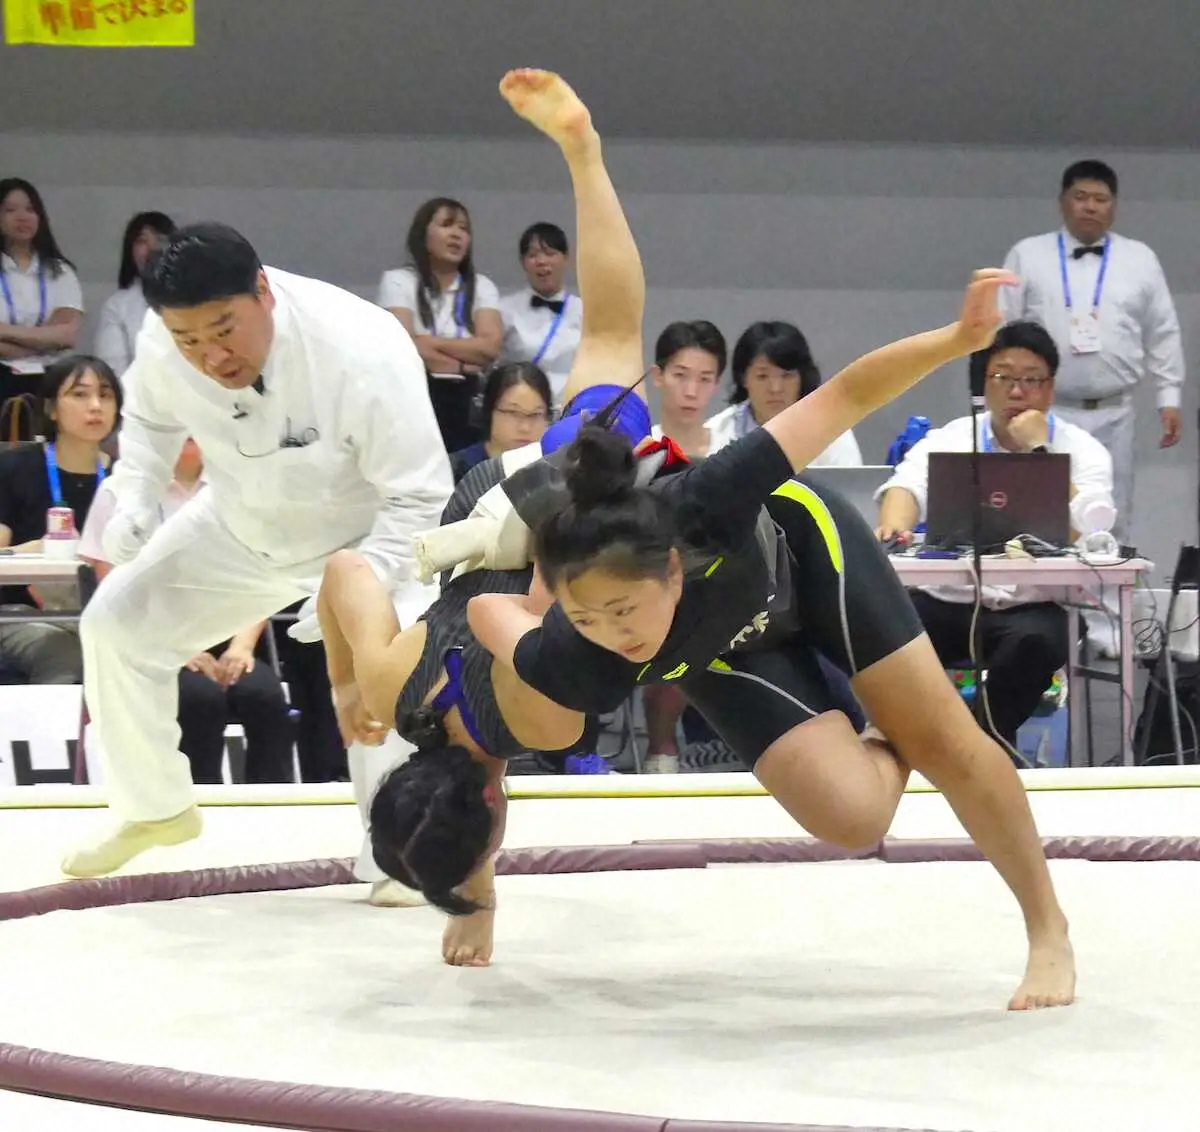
600	467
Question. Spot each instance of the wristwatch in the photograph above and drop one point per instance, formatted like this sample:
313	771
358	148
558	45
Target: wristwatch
1039	448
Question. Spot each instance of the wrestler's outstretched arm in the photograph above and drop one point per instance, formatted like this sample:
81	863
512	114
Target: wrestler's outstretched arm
612	287
806	428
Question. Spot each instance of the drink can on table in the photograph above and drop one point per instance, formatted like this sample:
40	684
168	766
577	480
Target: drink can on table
60	523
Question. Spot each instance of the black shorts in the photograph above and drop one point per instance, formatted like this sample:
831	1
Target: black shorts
850	607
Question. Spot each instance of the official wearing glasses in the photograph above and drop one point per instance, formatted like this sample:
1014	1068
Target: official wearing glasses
1022	632
312	411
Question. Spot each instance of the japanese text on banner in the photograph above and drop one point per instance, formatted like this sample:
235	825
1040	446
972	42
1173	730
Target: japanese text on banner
101	23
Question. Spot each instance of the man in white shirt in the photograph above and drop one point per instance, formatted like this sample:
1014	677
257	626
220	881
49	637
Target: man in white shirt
1105	301
543	322
1022	633
311	408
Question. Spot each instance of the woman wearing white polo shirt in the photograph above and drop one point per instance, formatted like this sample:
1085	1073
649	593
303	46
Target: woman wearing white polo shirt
543	322
772	368
452	312
41	304
123	312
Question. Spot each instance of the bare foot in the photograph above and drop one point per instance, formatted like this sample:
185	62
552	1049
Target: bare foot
546	101
467	940
1049	977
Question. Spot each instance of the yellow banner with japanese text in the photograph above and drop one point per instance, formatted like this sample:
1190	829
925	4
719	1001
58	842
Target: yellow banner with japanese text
101	23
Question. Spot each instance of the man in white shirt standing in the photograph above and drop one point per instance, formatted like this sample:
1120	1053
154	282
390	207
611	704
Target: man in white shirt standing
543	322
311	408
1105	301
1022	632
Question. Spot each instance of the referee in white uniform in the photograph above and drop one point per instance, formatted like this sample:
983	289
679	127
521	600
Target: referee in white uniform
543	322
311	409
1105	301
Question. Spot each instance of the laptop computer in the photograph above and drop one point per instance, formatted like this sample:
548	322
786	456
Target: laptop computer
856	485
1021	494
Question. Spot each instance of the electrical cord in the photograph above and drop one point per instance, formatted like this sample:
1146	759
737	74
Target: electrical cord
980	680
1049	550
1151	640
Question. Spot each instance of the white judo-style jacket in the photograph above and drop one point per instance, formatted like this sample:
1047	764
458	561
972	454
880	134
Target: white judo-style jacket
341	446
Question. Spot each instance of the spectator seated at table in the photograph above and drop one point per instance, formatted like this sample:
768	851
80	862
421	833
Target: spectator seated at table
231	682
1022	631
81	404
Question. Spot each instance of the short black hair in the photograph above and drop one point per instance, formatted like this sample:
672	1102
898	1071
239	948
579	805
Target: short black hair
68	370
1023	334
782	345
199	264
158	222
1090	170
543	232
699	334
502	378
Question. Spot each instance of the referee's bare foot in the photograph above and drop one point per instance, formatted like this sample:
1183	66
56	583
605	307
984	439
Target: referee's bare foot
546	101
1049	975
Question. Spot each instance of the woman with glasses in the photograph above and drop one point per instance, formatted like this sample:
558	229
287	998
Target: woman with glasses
515	411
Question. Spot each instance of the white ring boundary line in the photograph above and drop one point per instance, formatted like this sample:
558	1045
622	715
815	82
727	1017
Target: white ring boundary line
575	787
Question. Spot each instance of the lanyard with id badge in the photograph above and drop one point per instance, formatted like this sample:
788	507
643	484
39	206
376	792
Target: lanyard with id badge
1084	329
9	302
460	311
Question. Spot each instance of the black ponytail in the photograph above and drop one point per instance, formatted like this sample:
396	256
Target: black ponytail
431	825
600	467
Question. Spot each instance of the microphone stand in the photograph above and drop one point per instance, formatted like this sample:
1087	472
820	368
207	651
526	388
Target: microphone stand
978	403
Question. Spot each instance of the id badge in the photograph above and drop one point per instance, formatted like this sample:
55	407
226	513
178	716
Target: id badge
1085	334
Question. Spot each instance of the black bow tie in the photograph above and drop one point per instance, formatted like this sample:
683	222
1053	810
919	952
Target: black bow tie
1091	249
555	305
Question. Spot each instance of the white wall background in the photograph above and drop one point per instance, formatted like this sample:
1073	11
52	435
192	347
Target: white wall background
857	245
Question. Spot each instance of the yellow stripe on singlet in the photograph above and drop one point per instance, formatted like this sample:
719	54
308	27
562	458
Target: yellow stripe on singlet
815	506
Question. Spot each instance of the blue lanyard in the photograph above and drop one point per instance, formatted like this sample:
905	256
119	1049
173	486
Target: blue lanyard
552	331
1062	266
56	495
987	432
460	310
12	307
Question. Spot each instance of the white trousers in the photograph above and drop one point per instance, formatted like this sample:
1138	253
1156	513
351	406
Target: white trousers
1113	426
192	586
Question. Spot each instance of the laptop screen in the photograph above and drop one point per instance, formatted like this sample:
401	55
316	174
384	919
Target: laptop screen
1013	494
